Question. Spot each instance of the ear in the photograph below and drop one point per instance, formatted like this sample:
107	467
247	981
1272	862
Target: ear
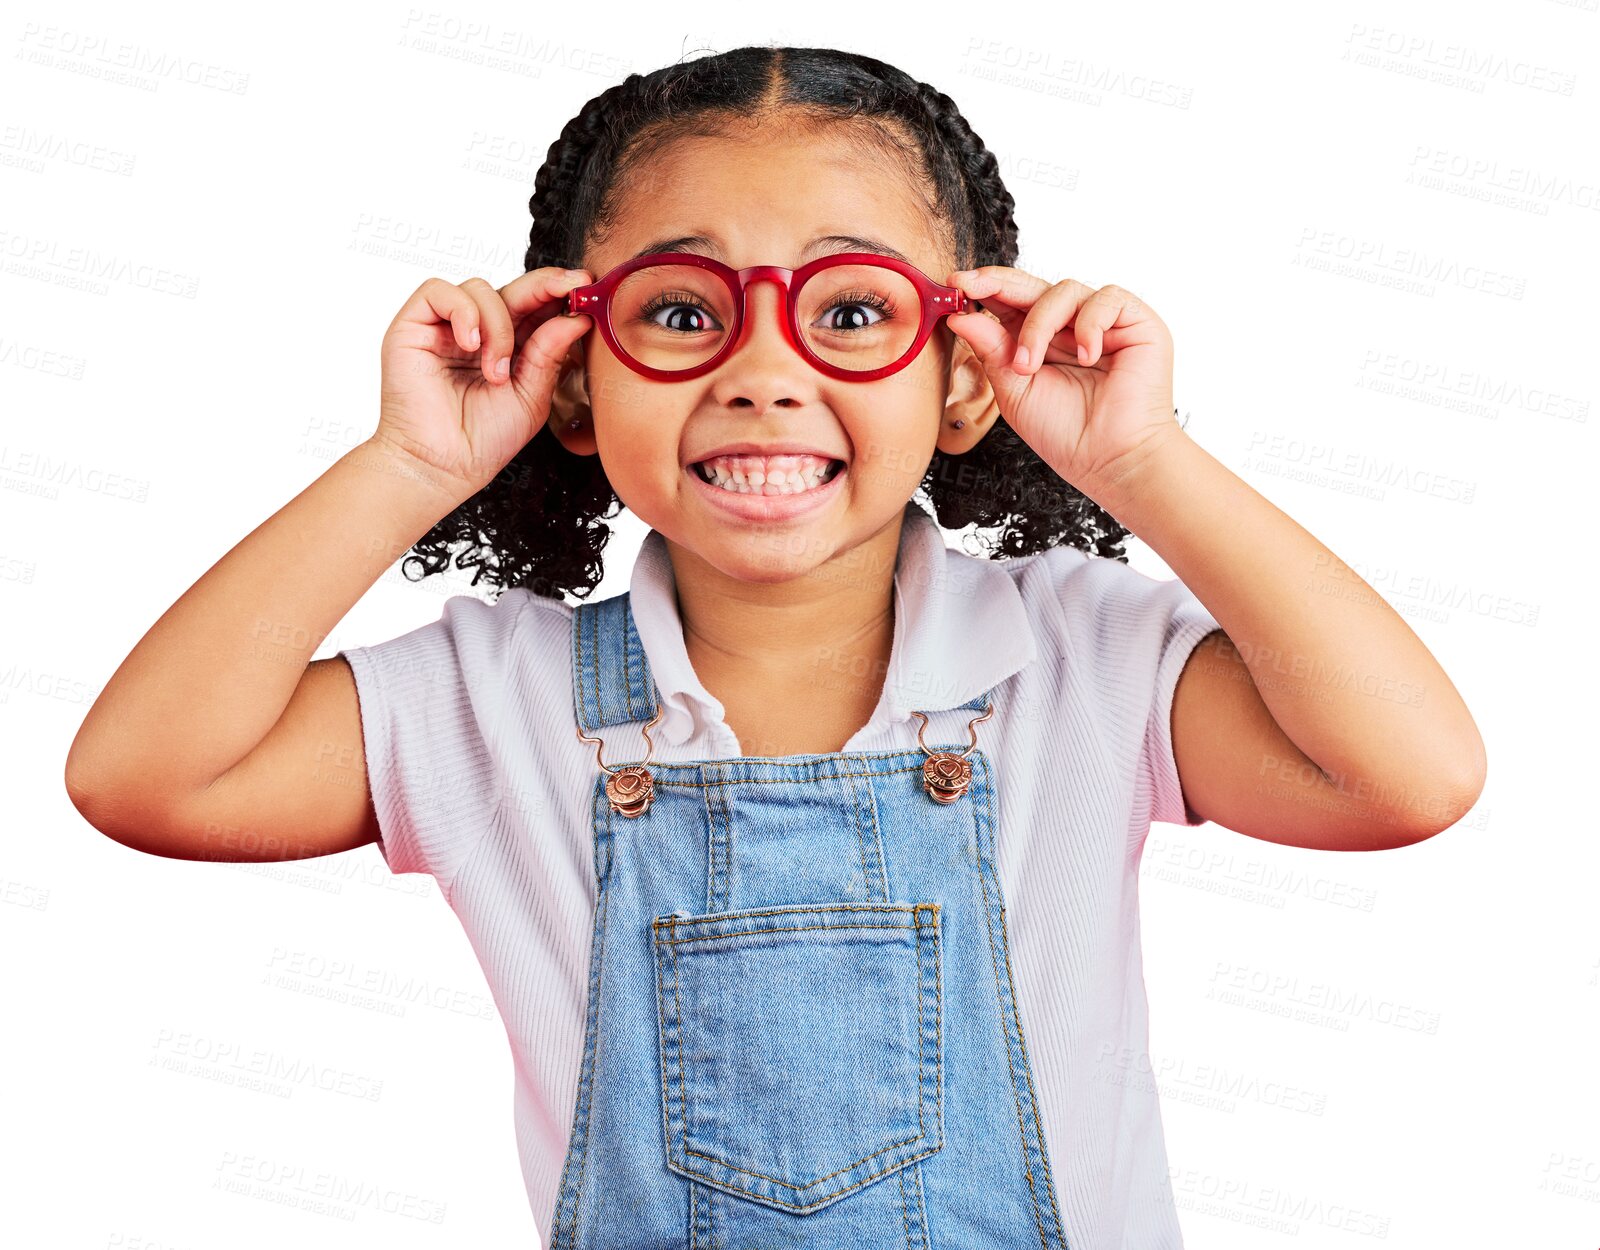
571	417
971	401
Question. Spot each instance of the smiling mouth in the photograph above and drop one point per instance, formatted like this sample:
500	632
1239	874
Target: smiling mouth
739	476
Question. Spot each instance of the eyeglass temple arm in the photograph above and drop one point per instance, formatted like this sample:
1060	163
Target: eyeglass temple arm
571	304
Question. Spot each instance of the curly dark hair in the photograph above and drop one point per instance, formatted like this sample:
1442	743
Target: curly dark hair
541	523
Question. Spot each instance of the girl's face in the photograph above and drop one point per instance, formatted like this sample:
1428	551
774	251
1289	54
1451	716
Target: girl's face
774	197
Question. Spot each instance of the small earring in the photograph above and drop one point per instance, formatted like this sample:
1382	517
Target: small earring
957	425
574	423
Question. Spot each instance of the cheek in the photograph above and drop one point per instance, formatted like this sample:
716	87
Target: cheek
636	432
617	394
627	409
894	440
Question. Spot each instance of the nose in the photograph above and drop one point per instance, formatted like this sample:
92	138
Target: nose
764	369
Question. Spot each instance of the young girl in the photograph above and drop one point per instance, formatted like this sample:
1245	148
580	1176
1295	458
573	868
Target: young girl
803	872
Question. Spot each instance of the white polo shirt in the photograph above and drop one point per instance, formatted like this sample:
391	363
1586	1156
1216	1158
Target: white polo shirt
479	780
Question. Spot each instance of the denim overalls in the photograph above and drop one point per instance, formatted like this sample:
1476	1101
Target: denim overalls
801	1025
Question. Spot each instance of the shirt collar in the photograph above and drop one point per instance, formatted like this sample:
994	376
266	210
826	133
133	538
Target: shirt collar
960	627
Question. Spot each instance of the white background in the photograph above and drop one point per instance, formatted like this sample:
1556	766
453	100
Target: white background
1371	228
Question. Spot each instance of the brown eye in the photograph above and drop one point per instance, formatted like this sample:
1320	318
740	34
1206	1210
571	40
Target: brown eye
685	315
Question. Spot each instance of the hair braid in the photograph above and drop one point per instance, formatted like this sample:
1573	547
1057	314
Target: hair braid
1010	486
541	523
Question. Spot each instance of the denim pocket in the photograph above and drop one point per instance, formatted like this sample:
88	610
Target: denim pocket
801	1046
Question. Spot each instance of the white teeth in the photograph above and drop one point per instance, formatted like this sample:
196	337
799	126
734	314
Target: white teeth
746	476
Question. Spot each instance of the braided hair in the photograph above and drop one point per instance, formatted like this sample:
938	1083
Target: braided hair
541	523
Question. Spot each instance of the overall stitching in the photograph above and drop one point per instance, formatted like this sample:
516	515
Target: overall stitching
1000	992
804	928
627	667
725	885
766	761
666	1119
861	841
882	852
783	909
922	1208
592	619
1016	1009
586	1088
597	992
711	849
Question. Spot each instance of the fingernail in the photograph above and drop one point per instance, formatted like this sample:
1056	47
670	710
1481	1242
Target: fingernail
472	338
1083	354
1022	357
502	367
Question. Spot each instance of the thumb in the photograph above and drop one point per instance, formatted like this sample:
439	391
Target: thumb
538	363
993	347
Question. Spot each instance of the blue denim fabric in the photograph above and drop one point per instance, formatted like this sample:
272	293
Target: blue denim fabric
801	1025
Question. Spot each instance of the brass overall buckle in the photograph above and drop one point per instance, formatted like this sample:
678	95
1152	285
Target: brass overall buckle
629	789
947	774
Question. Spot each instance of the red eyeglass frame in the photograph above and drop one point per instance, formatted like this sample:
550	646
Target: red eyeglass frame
594	300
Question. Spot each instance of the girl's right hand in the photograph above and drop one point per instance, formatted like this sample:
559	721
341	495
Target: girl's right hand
443	401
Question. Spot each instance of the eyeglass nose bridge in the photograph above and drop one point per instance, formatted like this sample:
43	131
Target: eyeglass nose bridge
784	278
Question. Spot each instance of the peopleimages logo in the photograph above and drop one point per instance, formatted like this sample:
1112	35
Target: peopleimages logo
1232	983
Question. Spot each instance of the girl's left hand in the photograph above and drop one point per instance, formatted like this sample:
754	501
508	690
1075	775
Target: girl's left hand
1097	380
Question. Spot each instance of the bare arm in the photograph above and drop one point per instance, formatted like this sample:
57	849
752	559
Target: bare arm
213	739
1315	716
1319	719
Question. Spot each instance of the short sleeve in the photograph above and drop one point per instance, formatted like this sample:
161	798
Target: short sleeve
432	708
1184	621
1127	637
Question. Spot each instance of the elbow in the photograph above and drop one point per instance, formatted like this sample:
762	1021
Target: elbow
98	812
1468	788
1449	801
81	791
113	812
85	782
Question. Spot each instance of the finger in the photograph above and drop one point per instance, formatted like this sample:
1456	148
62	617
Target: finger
983	333
539	361
540	294
993	346
538	287
985	291
1005	291
1046	323
495	320
439	339
1104	309
437	301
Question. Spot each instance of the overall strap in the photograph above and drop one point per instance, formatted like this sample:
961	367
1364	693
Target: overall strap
611	682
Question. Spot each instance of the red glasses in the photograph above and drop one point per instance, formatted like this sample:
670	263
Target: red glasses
673	316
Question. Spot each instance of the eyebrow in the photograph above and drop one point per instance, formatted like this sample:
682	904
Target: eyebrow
822	244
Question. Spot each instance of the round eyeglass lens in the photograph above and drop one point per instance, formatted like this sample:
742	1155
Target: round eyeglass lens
859	317
671	316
